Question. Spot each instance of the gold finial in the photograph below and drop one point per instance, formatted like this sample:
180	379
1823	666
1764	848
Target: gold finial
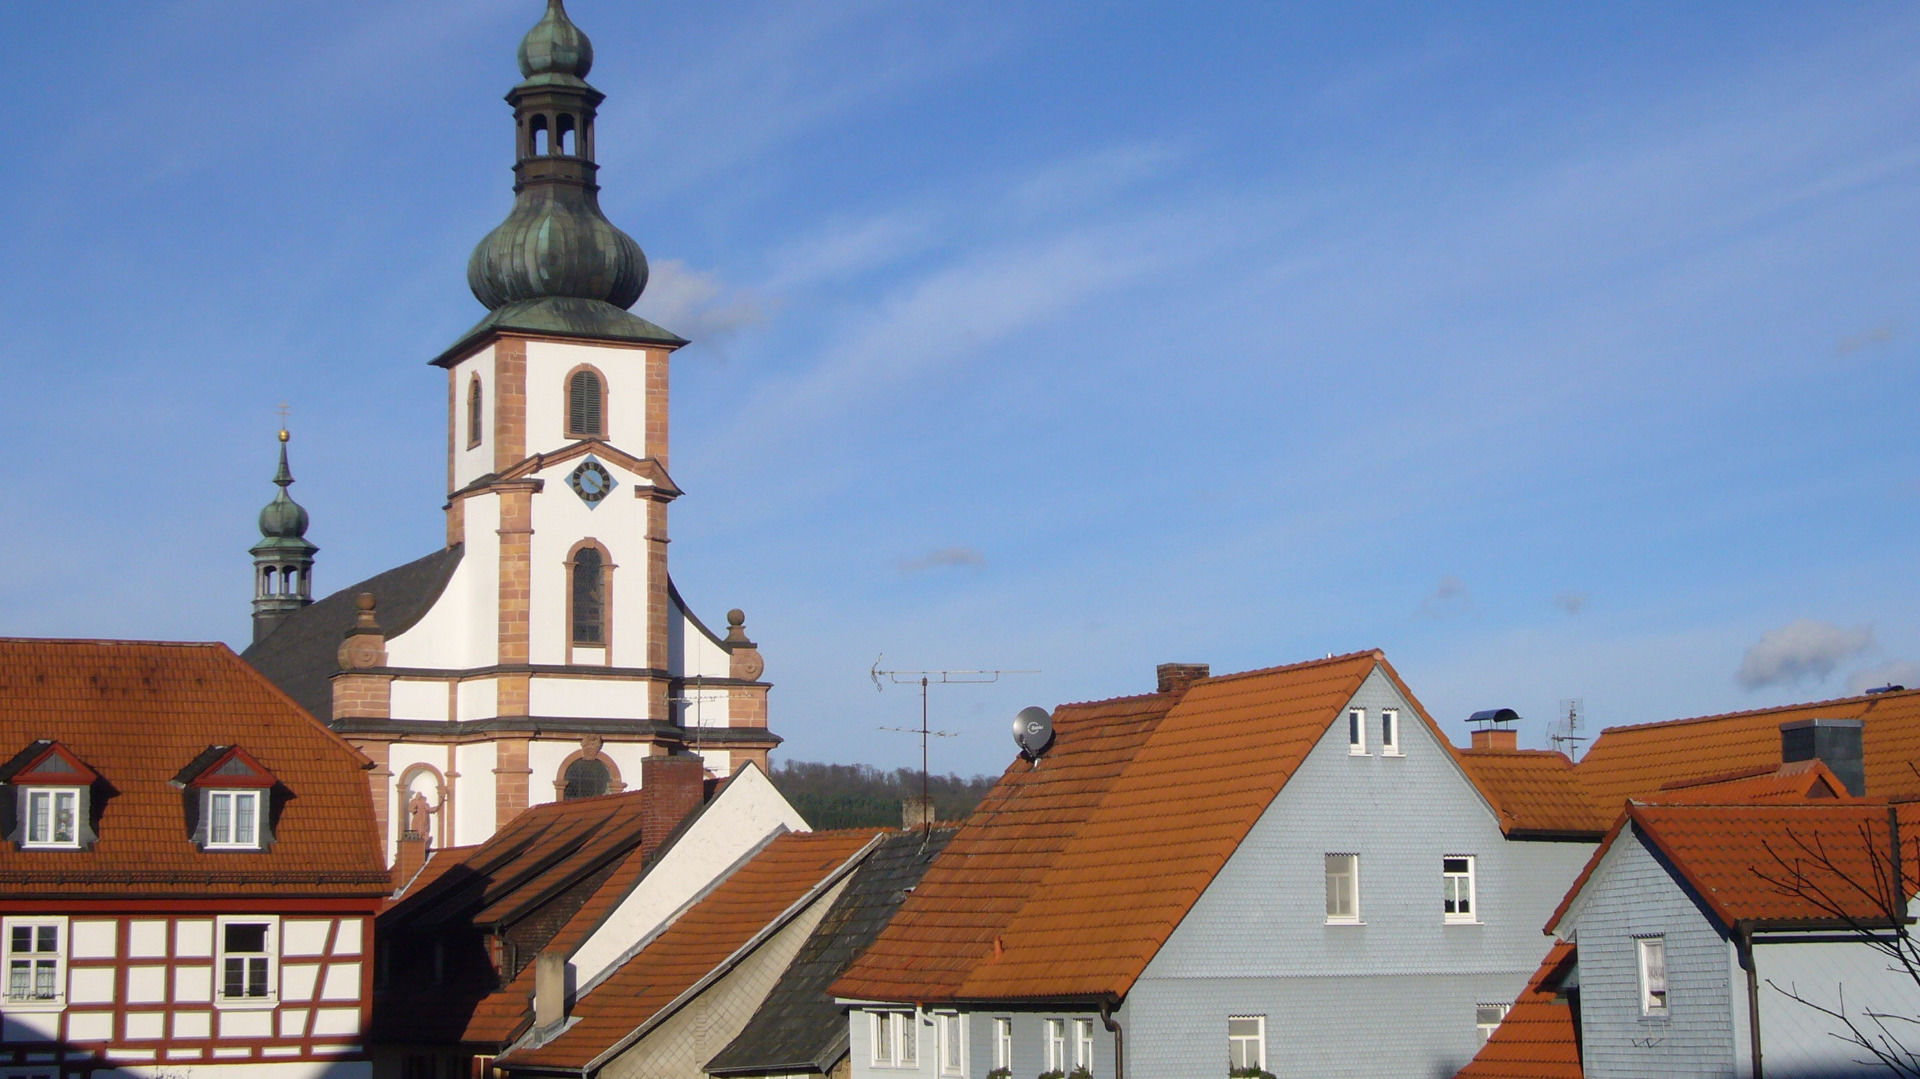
283	408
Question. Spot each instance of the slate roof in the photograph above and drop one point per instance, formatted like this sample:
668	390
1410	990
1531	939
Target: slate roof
1813	863
136	713
1540	1036
1536	792
799	1027
301	655
533	862
559	316
1635	761
1072	872
703	938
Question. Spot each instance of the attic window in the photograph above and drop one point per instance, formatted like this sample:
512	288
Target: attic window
233	820
51	789
232	797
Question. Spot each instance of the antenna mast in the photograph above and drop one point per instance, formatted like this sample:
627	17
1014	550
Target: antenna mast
1565	734
926	678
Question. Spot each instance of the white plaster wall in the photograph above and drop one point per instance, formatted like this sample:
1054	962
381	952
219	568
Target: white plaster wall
626	756
1849	976
479	698
471	464
625	371
283	1069
587	698
704	708
474	796
719	761
544	758
417	699
690	651
747	812
461	630
619	523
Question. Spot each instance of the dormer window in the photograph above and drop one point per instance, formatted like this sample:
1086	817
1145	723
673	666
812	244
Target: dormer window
231	801
233	819
50	789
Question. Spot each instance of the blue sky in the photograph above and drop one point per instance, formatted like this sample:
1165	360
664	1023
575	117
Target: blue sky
1560	352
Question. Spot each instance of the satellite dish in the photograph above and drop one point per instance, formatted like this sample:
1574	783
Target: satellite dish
1033	730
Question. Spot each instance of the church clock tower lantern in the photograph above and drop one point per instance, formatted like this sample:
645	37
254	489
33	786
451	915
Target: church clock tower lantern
545	652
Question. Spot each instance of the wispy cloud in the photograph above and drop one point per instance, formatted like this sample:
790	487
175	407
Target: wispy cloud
697	304
1449	596
1801	651
1571	602
943	558
1852	343
1898	672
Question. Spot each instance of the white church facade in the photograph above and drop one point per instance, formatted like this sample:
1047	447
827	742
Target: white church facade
543	652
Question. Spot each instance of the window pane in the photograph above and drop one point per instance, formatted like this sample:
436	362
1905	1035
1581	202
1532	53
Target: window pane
39	817
22	938
246	810
1454	865
235	981
246	937
49	938
588	597
257	977
18	972
65	803
1243	1028
1354	737
222	819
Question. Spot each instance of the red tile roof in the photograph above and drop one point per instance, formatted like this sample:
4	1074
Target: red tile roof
1074	871
1799	781
534	866
1538	1039
699	941
1535	791
1820	862
137	713
1634	762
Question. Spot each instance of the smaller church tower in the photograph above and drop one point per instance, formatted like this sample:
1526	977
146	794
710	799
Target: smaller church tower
283	559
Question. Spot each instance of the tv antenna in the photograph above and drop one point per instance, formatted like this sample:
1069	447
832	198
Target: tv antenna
1565	733
928	678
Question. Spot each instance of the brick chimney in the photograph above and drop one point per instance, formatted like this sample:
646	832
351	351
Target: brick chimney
670	788
1496	738
916	811
412	854
1176	677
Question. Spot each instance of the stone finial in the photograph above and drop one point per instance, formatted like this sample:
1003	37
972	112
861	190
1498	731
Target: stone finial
366	645
743	655
737	627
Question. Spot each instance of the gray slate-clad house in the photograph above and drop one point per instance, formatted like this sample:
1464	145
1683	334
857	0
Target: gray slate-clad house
1289	869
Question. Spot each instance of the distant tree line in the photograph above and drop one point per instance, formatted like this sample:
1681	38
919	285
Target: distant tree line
860	796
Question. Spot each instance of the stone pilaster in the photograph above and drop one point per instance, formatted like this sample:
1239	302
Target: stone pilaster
509	402
516	574
512	780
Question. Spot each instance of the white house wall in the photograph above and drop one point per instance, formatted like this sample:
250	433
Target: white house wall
1257	942
619	524
474	802
587	698
470	464
690	649
747	812
419	699
461	629
1795	1038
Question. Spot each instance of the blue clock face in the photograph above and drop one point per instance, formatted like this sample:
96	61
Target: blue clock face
591	481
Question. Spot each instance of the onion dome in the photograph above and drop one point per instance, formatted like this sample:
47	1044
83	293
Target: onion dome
283	518
555	243
555	46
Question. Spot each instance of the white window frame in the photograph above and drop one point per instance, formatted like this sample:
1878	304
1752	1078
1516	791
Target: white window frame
1056	1045
951	1042
1343	866
881	1040
1357	732
1390	732
1083	1044
1257	1041
1003	1042
1449	882
1655	983
270	982
239	801
908	1050
33	837
33	958
1488	1023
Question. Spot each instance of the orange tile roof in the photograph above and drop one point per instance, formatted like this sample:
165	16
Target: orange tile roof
138	712
1072	873
1798	781
1535	791
1780	864
534	861
700	940
1633	762
1538	1039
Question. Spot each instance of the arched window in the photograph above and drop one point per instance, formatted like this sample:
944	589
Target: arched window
539	132
589	606
473	412
585	779
563	141
586	404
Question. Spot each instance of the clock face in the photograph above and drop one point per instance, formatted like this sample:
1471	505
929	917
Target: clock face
591	481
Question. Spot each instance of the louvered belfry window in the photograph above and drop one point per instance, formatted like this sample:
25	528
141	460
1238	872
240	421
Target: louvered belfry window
586	406
589	597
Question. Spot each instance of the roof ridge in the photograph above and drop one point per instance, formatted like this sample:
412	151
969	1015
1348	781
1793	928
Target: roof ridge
1868	699
113	640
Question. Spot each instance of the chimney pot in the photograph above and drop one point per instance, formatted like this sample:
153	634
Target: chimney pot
1176	677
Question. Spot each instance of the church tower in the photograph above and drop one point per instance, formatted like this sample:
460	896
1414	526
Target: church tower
283	559
544	653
